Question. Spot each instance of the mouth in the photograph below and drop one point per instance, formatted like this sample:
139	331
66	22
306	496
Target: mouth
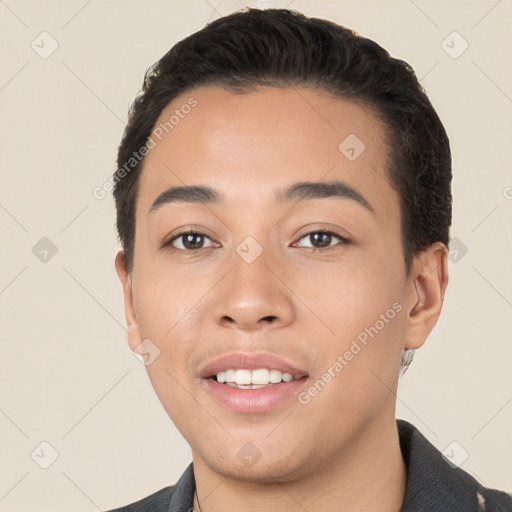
251	383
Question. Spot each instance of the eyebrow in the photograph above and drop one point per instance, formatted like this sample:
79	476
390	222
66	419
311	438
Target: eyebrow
301	191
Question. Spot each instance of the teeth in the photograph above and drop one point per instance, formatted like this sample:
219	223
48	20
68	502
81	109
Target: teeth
252	379
243	377
287	377
275	376
261	376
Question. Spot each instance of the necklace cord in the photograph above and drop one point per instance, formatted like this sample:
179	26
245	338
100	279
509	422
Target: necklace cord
198	504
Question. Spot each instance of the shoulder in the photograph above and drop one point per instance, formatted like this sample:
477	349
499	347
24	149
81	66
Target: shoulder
180	495
435	483
156	502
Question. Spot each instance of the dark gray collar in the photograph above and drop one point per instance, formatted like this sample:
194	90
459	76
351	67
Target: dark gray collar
432	483
183	497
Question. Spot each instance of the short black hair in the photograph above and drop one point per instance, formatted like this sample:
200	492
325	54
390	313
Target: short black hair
284	48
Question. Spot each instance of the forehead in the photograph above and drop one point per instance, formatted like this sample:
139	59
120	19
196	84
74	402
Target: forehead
249	145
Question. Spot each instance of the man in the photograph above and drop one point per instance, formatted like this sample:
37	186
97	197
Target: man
283	204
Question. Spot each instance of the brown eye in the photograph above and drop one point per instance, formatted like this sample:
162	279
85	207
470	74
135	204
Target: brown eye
189	241
320	239
323	239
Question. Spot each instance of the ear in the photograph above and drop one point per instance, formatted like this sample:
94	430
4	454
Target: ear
428	281
134	338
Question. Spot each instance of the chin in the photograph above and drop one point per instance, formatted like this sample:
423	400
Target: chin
248	464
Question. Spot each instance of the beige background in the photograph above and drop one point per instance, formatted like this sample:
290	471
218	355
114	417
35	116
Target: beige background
67	374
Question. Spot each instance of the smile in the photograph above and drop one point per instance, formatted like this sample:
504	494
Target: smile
251	382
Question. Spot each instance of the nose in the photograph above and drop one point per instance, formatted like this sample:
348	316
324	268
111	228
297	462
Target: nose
253	295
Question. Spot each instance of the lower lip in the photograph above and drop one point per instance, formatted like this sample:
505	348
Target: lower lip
253	400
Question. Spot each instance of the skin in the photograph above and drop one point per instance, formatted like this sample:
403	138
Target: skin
342	446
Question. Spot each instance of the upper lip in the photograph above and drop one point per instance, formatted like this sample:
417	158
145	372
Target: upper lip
249	361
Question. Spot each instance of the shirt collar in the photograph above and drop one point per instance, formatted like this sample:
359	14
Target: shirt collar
432	484
183	497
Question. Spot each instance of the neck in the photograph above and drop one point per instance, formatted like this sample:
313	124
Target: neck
368	476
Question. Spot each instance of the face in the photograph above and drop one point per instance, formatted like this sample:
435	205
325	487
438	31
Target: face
302	291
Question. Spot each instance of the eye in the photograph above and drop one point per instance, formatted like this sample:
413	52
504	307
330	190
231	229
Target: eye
323	239
189	241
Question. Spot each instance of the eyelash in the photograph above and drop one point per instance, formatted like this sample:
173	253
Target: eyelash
168	244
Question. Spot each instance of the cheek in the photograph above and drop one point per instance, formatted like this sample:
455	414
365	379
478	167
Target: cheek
360	320
357	377
168	303
346	298
169	313
178	398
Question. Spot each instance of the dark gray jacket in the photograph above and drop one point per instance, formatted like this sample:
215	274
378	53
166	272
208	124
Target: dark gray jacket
433	485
